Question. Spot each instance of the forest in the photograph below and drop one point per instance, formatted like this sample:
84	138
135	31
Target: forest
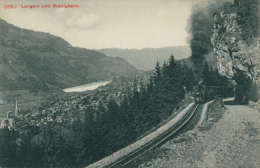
104	130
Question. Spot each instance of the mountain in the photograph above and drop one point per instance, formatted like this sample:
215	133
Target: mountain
40	61
145	59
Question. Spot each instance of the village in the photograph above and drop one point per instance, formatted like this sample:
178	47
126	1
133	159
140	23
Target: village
66	109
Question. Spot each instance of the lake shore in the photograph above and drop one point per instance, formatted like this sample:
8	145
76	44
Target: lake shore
82	88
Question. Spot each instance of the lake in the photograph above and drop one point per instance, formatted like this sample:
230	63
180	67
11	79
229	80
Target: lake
82	88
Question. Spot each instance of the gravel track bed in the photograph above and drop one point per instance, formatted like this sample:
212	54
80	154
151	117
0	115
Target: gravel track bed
133	147
232	141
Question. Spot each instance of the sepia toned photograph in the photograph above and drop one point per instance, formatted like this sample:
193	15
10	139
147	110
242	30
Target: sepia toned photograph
129	83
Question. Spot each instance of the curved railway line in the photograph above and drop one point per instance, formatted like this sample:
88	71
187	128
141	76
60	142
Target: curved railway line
188	121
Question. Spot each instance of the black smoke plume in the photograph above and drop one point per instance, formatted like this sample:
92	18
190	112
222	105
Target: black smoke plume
200	29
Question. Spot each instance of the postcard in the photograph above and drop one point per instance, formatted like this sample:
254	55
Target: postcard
133	83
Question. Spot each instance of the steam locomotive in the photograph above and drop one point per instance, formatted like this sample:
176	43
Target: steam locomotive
203	93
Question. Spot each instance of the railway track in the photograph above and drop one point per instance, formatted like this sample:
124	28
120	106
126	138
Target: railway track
189	121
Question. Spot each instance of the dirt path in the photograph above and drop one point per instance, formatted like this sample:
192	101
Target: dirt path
233	141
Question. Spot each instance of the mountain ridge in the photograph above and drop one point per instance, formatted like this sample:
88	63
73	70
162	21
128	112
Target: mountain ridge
40	61
146	58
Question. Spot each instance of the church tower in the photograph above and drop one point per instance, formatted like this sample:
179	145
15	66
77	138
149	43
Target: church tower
16	111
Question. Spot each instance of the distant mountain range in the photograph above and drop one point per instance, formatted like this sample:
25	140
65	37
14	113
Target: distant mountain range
145	59
41	61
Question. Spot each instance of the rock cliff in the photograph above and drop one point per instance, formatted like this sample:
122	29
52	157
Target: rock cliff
237	58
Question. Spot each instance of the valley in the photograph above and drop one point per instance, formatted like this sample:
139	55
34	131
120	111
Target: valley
40	62
86	85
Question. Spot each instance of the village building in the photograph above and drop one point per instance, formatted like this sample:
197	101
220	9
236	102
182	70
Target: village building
8	122
16	111
32	123
50	117
59	119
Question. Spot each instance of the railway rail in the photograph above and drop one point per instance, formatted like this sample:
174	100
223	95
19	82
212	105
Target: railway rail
188	121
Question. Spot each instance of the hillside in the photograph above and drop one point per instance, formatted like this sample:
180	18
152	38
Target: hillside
145	59
40	61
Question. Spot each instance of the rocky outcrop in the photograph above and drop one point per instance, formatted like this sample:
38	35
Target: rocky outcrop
237	59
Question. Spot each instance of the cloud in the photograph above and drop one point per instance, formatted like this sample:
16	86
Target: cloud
84	21
138	24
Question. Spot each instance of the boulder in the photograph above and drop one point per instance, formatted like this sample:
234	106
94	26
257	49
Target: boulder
257	105
251	104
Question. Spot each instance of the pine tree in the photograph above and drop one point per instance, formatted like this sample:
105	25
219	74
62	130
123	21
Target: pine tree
206	74
164	69
157	75
8	148
24	149
124	110
172	62
150	85
248	18
143	95
112	111
135	93
87	134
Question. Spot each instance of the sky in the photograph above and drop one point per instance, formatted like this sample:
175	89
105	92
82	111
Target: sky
98	24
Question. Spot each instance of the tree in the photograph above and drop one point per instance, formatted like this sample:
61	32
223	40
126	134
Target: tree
157	75
135	92
248	18
24	149
206	74
150	85
8	148
143	94
164	69
172	62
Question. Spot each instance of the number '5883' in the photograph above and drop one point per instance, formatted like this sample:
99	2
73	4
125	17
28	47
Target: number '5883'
10	6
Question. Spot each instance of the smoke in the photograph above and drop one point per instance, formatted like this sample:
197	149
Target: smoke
200	28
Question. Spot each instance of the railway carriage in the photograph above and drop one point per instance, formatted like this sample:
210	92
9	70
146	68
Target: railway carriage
203	93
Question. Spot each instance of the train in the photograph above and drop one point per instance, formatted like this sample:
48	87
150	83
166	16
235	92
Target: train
204	93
